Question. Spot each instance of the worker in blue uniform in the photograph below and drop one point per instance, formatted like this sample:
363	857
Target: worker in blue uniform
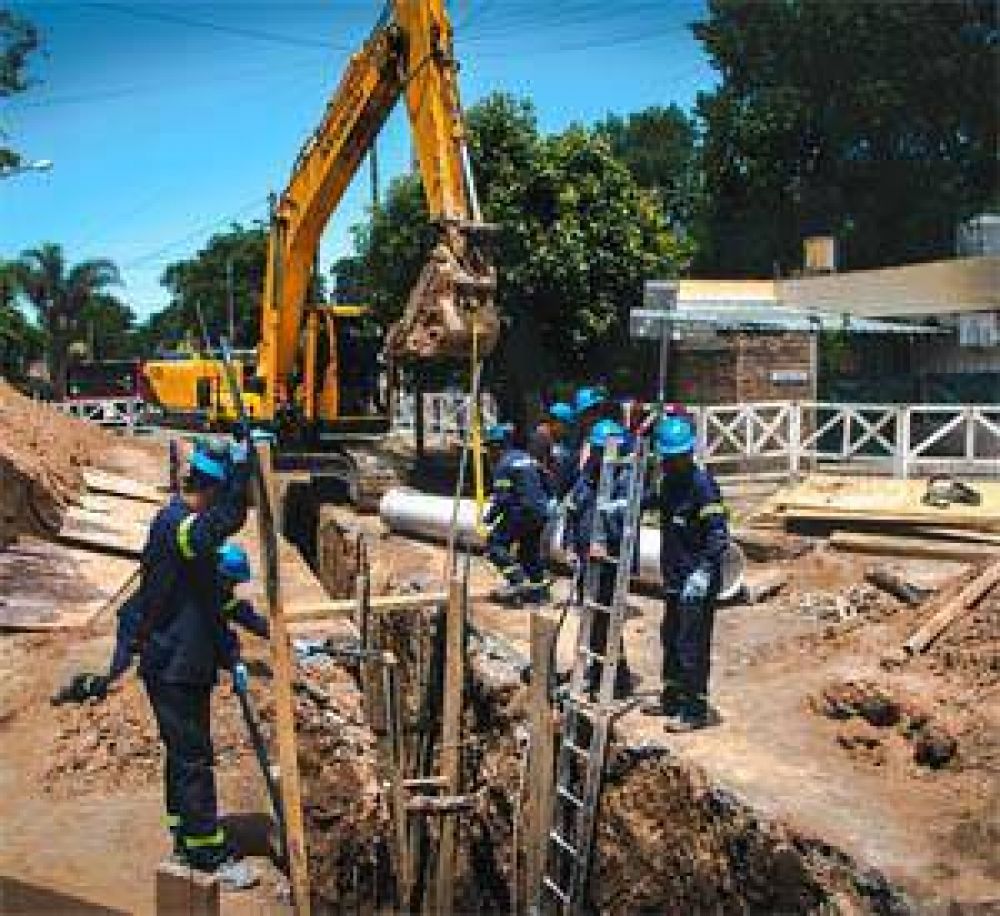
693	539
521	502
177	639
592	537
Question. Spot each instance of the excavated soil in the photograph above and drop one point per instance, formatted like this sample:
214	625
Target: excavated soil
42	453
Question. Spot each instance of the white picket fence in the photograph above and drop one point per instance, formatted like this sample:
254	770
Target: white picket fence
126	414
898	439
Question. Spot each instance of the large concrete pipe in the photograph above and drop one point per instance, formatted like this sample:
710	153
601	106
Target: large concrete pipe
426	516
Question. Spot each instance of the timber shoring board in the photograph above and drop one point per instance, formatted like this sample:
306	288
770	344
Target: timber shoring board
950	610
838	517
282	662
926	548
117	485
47	586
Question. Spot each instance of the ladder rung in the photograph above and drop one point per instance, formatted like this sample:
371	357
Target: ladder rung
575	749
593	656
563	844
563	792
549	884
598	606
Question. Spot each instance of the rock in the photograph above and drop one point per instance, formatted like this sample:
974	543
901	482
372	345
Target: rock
933	747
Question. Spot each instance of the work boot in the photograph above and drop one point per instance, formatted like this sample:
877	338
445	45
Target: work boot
510	593
692	715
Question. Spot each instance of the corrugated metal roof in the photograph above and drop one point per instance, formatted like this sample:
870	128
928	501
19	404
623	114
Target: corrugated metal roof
738	316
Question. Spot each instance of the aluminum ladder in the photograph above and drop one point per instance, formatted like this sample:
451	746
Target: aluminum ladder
586	722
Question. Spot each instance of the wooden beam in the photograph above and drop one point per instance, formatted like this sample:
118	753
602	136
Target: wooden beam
951	610
451	729
926	548
102	541
282	665
943	518
116	484
543	632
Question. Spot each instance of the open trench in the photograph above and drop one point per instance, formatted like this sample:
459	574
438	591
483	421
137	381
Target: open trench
668	840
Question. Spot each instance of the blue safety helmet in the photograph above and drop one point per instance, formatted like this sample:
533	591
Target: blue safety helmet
562	412
206	469
498	433
586	399
673	436
604	430
233	563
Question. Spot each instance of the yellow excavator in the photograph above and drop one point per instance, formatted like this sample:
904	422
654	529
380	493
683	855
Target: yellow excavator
314	377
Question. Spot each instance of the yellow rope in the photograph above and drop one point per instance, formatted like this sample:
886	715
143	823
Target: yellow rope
478	474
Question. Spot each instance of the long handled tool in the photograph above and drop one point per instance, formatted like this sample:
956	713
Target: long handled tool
260	751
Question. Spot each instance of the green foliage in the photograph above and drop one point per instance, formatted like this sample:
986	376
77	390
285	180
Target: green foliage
659	146
59	295
873	121
106	326
203	280
577	237
18	39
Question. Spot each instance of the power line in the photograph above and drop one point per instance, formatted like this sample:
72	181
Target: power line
255	34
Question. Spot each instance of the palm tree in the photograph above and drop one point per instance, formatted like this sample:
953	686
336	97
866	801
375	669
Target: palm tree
58	295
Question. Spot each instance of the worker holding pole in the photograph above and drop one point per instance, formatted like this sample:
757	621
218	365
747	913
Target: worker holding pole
693	539
176	637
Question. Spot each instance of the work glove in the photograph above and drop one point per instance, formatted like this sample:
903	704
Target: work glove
552	508
695	588
239	452
241	679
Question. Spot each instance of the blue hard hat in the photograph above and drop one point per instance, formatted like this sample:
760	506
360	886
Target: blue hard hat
206	466
586	398
673	436
498	433
562	412
604	430
233	563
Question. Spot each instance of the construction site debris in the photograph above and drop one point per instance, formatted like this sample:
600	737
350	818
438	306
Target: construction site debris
858	602
930	546
762	587
947	611
896	584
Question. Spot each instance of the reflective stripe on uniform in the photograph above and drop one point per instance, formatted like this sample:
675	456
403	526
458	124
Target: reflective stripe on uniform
712	509
184	536
210	839
230	606
172	821
504	483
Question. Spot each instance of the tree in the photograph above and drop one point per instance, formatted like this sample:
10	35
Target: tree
659	146
203	281
105	326
20	341
875	122
577	237
59	297
18	39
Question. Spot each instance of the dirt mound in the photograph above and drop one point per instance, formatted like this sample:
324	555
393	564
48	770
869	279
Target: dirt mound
42	453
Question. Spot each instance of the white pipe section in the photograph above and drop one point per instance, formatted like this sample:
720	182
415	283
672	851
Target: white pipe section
427	516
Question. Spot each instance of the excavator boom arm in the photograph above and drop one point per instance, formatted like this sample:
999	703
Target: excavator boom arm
410	52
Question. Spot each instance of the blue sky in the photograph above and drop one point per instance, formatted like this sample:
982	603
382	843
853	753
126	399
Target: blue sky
168	121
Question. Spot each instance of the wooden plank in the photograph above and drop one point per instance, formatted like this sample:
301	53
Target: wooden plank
117	507
104	521
282	664
838	516
323	609
938	622
117	485
539	819
101	541
897	585
894	545
451	728
956	534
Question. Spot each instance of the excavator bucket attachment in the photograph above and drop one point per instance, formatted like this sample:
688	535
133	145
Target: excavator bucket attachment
454	293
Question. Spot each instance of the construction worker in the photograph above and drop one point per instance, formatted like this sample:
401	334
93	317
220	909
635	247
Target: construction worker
693	538
178	646
521	503
593	537
550	444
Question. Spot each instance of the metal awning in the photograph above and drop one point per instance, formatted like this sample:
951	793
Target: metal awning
652	322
